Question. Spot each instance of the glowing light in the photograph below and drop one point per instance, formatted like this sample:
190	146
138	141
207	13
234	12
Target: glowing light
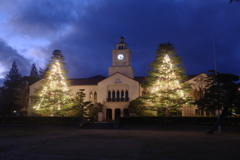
55	90
167	70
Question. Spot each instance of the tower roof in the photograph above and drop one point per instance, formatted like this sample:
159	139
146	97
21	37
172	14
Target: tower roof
121	39
121	44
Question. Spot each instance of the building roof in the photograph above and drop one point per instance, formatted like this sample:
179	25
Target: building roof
96	79
189	77
139	79
87	81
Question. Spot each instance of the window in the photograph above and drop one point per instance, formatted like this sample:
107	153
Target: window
90	96
95	96
122	96
113	96
109	96
118	96
126	96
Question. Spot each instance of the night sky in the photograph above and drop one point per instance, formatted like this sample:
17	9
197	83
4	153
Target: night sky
87	31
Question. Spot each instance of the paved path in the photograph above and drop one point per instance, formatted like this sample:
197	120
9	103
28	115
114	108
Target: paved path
43	142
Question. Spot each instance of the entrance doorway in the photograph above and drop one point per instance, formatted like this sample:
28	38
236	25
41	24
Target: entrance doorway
117	113
109	114
125	112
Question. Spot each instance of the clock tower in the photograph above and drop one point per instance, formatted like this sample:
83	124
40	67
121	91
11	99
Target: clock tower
121	60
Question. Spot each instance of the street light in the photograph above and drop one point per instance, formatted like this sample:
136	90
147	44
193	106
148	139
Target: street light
215	65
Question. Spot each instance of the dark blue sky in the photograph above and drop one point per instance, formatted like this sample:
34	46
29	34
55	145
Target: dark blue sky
87	31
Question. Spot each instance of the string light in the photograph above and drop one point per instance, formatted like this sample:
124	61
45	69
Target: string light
167	70
55	88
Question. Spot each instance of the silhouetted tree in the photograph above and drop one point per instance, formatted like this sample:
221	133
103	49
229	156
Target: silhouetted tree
13	78
33	77
10	90
2	109
22	97
41	73
234	0
34	71
221	94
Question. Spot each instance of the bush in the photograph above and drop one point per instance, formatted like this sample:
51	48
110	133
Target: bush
177	120
41	120
137	107
149	113
93	111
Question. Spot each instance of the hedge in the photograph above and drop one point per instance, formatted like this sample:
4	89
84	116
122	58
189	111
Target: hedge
123	120
177	120
41	120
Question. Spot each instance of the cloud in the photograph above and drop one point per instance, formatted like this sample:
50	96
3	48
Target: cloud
7	56
42	18
188	25
86	32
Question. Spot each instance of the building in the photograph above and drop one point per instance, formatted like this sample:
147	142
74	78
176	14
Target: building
115	91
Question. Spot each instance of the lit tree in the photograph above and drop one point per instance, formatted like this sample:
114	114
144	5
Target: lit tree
53	96
166	90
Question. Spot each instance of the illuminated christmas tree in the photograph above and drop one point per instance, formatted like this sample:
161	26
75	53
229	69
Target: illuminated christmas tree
53	96
164	83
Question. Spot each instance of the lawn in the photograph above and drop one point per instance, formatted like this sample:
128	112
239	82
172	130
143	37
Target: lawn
132	142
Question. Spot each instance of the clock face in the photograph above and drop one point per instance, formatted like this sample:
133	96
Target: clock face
120	57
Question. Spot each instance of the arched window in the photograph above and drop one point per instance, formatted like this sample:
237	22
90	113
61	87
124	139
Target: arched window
109	96
118	96
113	95
122	96
90	96
95	96
126	96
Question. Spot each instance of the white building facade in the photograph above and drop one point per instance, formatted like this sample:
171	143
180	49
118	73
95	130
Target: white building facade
115	91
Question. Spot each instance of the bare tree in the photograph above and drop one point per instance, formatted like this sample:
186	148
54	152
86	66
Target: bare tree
199	87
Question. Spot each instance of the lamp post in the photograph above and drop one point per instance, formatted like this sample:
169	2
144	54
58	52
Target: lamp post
215	66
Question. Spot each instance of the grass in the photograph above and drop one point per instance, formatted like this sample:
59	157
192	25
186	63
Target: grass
131	142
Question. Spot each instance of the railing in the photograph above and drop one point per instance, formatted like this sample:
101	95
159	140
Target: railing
117	99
